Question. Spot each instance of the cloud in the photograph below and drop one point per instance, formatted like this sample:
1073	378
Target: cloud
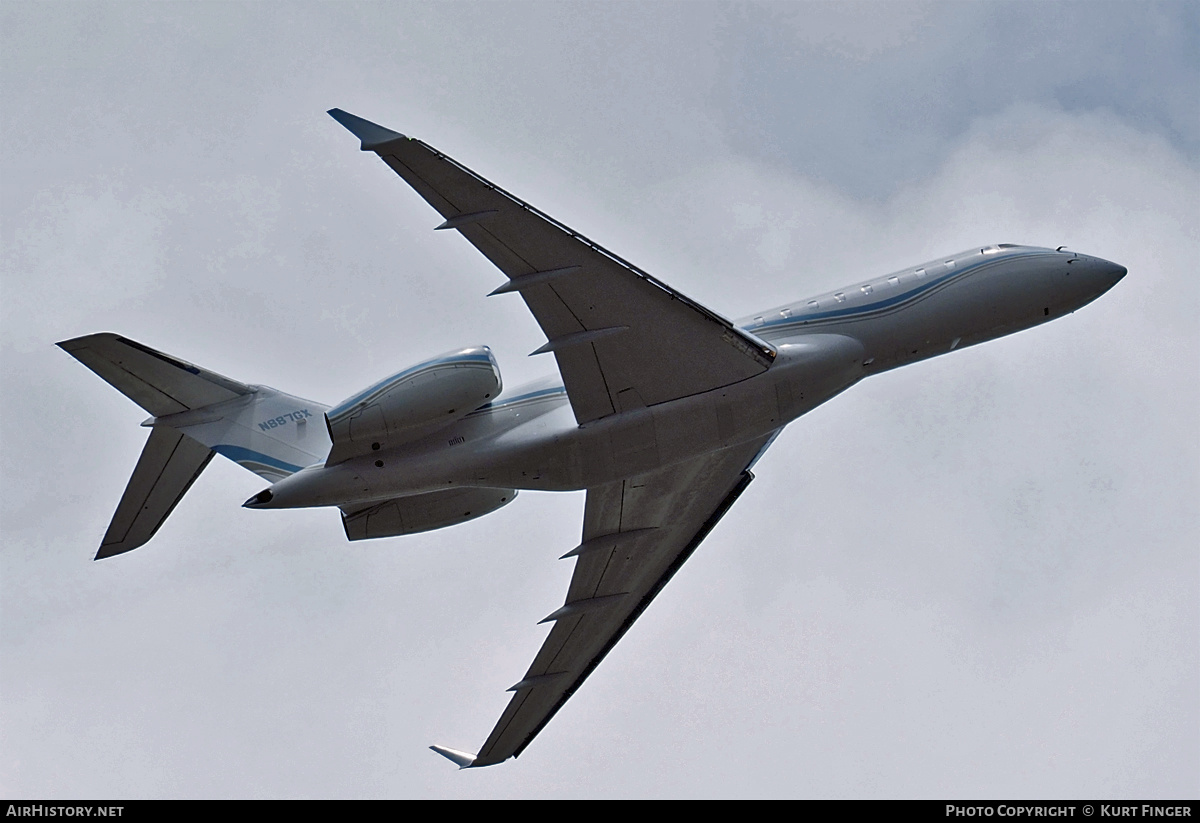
986	559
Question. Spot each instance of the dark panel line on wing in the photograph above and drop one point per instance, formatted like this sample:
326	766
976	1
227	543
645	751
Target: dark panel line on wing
612	400
153	388
179	364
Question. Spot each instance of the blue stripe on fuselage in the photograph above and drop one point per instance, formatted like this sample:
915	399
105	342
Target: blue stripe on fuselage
239	453
888	302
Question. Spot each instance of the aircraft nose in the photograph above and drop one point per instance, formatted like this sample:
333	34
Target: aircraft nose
1111	272
1102	273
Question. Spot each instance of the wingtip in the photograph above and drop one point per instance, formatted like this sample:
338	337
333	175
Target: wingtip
464	760
371	134
79	342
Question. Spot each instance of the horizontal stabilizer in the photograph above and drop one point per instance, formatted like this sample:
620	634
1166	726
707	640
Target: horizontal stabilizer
463	759
159	383
169	464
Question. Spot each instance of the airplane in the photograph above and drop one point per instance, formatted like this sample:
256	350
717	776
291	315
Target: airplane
660	409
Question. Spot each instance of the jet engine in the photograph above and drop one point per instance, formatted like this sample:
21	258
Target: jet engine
423	512
413	403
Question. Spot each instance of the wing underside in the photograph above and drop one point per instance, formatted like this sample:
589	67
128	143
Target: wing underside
623	341
622	338
637	533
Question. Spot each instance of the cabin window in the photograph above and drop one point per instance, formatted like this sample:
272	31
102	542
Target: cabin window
867	289
812	304
990	250
785	313
758	321
893	281
920	272
949	264
840	297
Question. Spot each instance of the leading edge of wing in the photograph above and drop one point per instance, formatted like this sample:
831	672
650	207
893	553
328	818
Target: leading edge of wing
374	136
621	337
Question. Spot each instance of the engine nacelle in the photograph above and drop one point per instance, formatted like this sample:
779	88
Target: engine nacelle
424	512
413	403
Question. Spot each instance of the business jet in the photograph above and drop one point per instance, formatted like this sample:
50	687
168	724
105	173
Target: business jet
660	408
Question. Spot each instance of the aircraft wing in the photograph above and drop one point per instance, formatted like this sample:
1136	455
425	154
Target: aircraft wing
622	339
637	533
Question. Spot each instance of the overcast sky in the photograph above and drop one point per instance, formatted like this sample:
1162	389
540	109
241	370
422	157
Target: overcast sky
976	576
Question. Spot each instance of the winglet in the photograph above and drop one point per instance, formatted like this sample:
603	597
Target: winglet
371	134
463	759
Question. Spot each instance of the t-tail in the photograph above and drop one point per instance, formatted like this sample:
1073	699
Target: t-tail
195	413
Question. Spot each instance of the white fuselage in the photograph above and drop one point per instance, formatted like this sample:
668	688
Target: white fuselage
824	345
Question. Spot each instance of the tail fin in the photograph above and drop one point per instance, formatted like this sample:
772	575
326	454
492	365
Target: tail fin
196	413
